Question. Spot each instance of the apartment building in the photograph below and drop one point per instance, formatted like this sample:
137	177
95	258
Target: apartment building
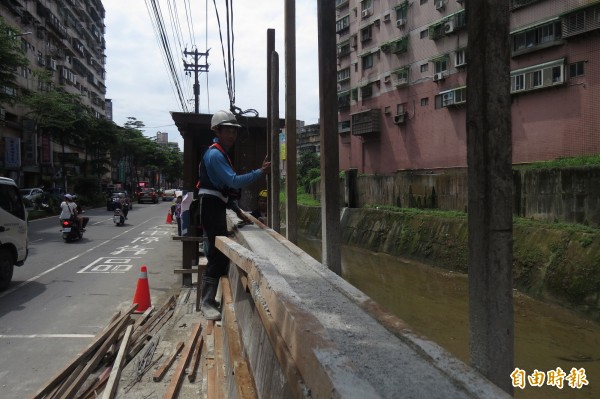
401	77
65	38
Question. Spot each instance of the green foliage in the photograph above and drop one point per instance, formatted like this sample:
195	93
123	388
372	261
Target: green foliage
11	57
309	168
580	161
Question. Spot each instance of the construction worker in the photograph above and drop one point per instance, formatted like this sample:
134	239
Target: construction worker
218	181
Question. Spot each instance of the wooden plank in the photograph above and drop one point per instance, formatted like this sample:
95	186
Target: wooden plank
196	360
160	373
113	380
187	238
218	351
94	361
178	376
100	337
92	385
244	382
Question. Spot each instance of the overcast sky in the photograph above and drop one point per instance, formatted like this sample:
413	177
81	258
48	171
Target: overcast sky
138	82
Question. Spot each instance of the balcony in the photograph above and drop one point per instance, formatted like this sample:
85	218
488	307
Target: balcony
366	122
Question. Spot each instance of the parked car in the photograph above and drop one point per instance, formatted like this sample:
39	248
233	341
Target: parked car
168	195
147	194
116	197
31	194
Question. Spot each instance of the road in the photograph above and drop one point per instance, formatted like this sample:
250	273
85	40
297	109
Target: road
66	293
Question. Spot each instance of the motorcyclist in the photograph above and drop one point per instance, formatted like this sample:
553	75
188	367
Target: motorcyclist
68	209
82	220
124	204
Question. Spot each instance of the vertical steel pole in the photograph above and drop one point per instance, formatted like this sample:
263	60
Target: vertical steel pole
290	120
274	123
270	134
489	158
330	181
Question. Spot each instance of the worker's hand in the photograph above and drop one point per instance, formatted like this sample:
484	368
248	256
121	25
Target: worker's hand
266	166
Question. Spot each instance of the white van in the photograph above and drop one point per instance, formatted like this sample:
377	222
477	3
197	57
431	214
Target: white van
13	230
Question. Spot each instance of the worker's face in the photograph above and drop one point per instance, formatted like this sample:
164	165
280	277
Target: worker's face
227	135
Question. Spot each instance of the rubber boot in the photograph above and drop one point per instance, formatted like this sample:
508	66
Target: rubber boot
209	305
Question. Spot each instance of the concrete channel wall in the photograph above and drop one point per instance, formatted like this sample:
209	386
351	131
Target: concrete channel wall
570	195
307	333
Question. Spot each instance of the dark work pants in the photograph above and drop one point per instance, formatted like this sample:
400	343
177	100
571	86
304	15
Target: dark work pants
214	223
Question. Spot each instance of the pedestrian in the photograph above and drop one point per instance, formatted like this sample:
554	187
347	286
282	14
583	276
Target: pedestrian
217	179
261	211
177	213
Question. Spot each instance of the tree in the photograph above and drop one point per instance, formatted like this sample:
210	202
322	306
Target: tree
61	115
309	167
12	57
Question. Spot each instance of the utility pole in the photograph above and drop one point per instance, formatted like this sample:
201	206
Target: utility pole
196	68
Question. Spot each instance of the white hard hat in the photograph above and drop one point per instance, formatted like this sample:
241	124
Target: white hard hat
223	118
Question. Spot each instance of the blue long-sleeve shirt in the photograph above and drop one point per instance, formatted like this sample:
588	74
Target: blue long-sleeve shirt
222	175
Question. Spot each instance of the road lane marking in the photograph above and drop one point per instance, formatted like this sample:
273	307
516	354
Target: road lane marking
32	279
47	336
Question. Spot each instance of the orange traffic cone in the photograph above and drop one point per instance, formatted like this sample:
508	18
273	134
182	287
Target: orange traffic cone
169	218
142	292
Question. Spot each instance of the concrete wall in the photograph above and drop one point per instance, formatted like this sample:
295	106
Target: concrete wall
570	195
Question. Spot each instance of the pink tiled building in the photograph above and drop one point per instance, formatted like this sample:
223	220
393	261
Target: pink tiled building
402	69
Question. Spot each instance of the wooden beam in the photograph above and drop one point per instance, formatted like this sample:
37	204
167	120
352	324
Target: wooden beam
178	376
160	373
244	382
196	360
113	380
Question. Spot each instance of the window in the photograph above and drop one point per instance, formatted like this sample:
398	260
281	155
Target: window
400	109
366	91
582	21
366	5
576	69
342	25
367	61
424	101
344	100
451	98
402	11
538	76
423	2
344	48
365	34
460	58
401	76
517	83
424	67
343	74
440	65
539	36
424	33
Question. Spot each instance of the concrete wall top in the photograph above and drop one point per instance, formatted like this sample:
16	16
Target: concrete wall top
359	349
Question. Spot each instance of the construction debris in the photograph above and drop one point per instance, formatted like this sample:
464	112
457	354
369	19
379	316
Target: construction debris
87	374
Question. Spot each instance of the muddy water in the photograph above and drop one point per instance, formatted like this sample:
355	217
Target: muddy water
435	303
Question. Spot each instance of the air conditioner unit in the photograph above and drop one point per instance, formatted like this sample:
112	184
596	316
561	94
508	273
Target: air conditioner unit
386	17
447	99
387	110
51	63
401	81
398	119
41	61
365	13
400	22
386	79
449	27
438	76
439	4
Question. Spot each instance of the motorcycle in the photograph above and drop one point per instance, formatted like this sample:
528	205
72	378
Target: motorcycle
118	217
70	230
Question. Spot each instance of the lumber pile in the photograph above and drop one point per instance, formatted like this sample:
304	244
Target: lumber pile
97	368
